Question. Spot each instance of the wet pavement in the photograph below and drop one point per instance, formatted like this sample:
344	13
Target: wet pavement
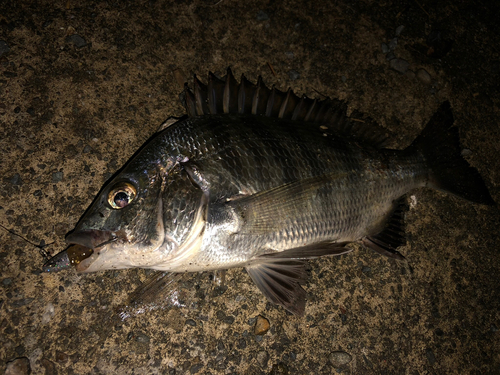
84	84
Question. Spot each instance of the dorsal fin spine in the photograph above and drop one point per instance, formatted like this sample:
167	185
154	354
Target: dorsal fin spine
226	95
311	110
241	96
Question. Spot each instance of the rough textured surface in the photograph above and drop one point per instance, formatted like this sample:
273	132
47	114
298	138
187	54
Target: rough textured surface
84	84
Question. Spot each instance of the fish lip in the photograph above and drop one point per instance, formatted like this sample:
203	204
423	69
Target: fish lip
91	238
97	240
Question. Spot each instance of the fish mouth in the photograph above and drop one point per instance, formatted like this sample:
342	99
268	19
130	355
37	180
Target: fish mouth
87	245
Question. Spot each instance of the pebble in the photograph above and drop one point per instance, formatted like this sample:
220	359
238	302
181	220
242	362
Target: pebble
294	75
4	47
399	65
196	368
142	338
430	356
410	74
261	326
424	76
16	180
191	322
50	367
61	357
339	358
57	176
262	358
262	16
279	369
77	40
385	48
393	44
18	366
466	152
48	313
399	30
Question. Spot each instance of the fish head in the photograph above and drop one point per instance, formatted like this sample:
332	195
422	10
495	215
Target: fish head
124	224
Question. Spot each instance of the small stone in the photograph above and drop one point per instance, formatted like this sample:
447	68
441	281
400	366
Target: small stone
366	269
261	326
279	369
399	65
7	281
466	152
50	367
294	75
262	358
399	30
191	322
57	176
48	313
16	180
430	356
77	40
196	368
61	357
424	76
385	48
142	338
18	366
339	358
242	343
289	55
20	350
390	56
262	16
393	44
410	74
4	47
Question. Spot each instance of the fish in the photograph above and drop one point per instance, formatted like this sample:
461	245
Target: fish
265	180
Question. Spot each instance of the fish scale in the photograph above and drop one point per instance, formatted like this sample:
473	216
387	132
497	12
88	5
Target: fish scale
262	179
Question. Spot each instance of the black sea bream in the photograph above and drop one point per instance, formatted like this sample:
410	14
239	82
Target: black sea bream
264	180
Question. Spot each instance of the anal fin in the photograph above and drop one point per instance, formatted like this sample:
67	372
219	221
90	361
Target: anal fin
393	235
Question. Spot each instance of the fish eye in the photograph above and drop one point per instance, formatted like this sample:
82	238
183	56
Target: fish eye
121	195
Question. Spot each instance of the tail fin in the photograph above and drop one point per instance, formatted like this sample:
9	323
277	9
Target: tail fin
440	145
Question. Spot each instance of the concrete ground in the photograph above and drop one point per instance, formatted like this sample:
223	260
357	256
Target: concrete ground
84	84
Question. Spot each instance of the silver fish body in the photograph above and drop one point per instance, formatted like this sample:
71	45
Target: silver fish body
226	190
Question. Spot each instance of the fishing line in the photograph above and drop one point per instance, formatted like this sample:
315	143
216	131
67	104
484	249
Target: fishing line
46	256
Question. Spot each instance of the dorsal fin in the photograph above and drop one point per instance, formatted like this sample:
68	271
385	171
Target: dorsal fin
226	95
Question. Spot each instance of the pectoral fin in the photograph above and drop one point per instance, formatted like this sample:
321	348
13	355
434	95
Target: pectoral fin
279	280
279	275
